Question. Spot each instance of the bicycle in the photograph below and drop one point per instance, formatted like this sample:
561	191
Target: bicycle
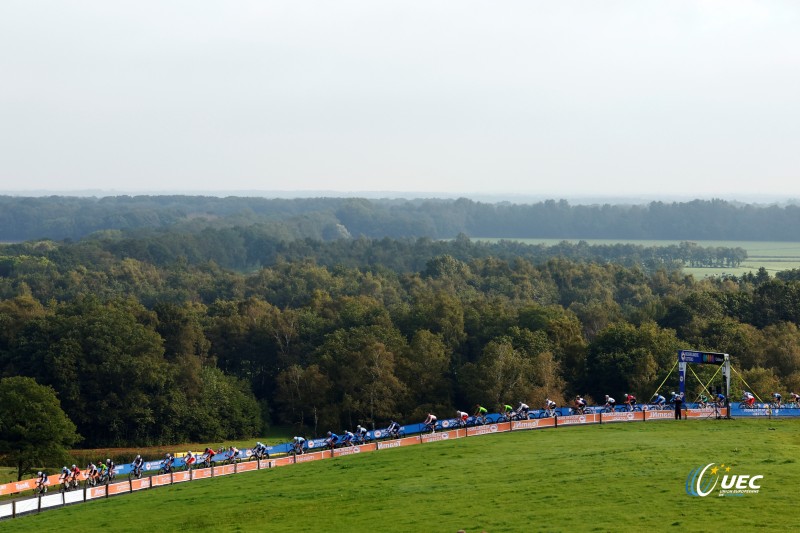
608	408
549	413
40	489
478	420
135	473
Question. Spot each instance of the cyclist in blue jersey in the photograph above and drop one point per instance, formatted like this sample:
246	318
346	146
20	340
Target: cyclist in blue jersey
332	440
297	445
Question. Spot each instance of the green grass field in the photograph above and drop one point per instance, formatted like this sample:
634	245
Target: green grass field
624	477
773	256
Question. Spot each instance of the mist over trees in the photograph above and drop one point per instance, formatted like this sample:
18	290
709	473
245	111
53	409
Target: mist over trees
327	219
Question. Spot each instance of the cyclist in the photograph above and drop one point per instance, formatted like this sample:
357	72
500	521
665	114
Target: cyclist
332	440
794	398
658	400
480	413
361	434
102	475
393	430
137	465
233	452
748	398
298	443
112	473
430	422
630	401
92	473
720	400
703	401
508	410
462	417
41	482
776	397
189	459
208	454
76	475
65	477
611	403
260	450
549	407
580	405
167	463
347	440
522	410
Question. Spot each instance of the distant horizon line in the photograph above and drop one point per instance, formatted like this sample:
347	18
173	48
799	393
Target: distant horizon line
407	195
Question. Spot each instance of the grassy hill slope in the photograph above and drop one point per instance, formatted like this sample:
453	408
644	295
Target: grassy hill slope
625	477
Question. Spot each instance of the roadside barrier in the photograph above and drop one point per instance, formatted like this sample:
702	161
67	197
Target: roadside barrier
446	430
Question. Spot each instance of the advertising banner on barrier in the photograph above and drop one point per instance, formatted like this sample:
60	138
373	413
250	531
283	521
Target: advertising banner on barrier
180	477
765	412
247	467
312	456
500	427
139	484
96	492
443	435
632	416
6	510
660	414
283	461
397	443
225	470
265	463
118	488
350	450
572	420
19	486
201	473
533	424
163	479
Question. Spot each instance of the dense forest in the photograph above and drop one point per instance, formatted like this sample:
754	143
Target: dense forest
57	218
177	332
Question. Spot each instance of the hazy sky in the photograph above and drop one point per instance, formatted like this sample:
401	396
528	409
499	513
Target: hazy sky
559	97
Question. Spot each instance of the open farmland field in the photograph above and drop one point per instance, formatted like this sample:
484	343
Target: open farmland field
625	477
773	256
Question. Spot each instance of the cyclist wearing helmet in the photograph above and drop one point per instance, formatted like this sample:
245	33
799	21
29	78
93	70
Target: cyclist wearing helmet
361	434
332	440
41	482
297	444
522	409
611	403
137	465
92	474
167	463
430	422
112	473
394	430
462	417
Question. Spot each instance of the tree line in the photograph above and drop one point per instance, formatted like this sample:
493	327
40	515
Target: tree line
58	217
142	351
